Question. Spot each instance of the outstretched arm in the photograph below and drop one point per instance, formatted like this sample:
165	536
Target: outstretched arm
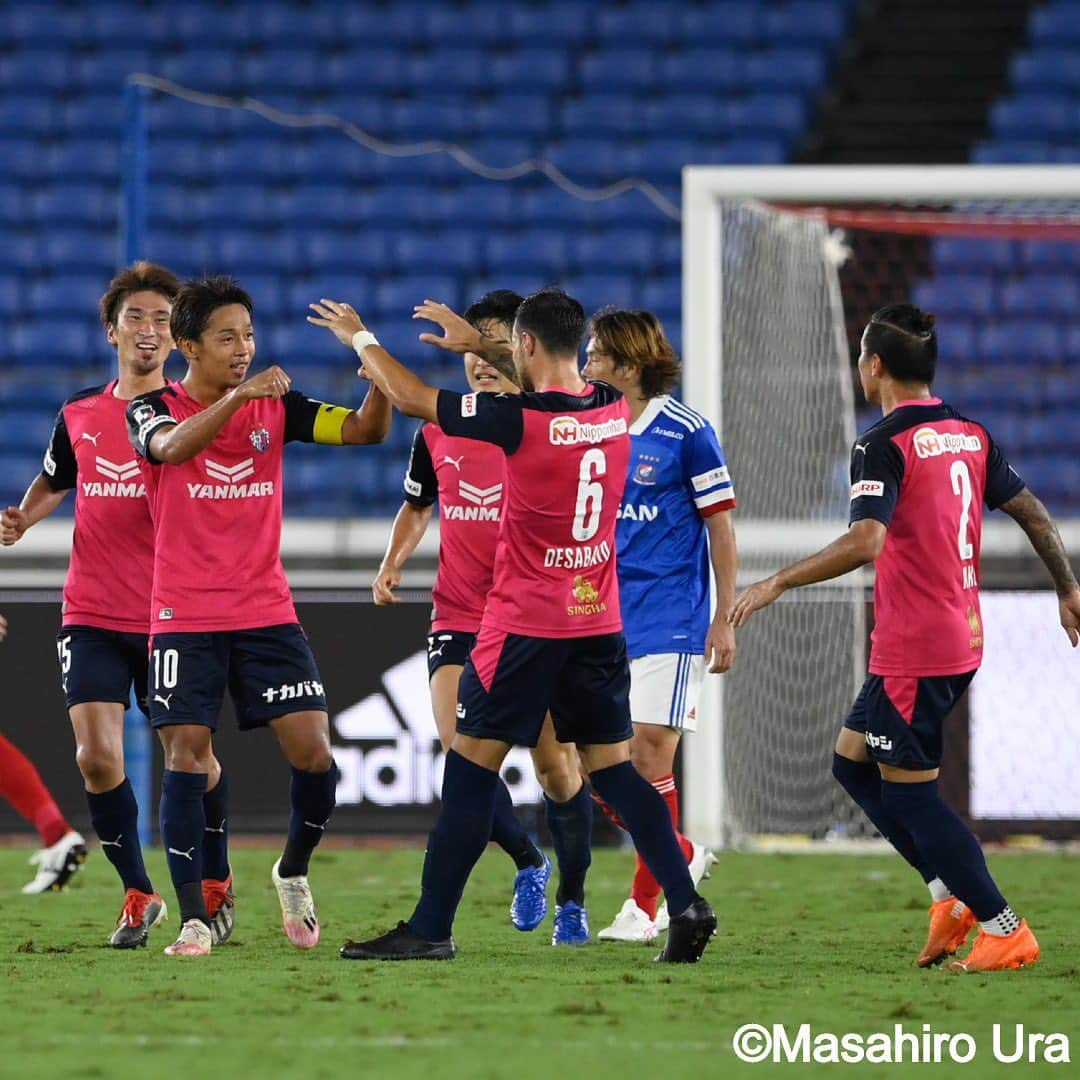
409	527
408	393
861	544
370	423
39	502
1030	514
460	336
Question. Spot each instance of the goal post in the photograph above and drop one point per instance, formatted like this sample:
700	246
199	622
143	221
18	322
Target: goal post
767	360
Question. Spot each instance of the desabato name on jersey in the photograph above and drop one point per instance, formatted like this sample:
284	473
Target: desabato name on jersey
569	430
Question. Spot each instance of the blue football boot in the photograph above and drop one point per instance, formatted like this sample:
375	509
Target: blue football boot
529	906
571	925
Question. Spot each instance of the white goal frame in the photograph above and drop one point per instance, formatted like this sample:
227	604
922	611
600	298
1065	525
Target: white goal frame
703	187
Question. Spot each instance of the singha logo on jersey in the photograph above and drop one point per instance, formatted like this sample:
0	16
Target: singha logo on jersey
586	595
975	625
120	480
229	484
931	443
260	439
569	431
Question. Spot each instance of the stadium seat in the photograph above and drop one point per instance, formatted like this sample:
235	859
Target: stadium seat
51	343
617	70
1021	341
786	70
531	70
703	69
1033	117
1050	68
37	70
969	294
25	114
544	252
1055	24
1042	295
734	23
805	21
974	253
563	22
454	251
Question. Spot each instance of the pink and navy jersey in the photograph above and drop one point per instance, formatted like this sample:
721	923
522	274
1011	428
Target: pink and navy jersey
924	472
566	457
217	516
466	477
112	552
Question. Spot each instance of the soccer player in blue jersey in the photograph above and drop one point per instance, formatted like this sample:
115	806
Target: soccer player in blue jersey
675	521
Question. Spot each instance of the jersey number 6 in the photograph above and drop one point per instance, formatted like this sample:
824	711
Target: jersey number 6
590	495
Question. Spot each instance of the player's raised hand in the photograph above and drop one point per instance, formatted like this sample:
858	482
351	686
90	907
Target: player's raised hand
720	646
458	336
13	523
340	319
3	628
1069	606
271	383
759	595
382	588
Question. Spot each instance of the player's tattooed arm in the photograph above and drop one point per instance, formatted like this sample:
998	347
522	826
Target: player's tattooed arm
407	392
861	544
1033	517
39	502
460	336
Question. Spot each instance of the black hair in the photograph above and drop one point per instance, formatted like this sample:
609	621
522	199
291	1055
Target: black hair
555	319
499	305
140	276
198	299
905	339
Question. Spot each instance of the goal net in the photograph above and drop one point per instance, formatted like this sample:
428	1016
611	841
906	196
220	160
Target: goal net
782	267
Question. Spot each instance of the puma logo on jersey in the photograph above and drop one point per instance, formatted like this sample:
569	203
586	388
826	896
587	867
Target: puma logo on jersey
456	462
189	854
221	829
861	447
92	438
164	700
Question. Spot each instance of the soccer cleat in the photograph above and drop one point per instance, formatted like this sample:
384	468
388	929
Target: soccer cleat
57	864
221	908
194	940
631	924
571	925
688	934
399	944
951	921
141	913
992	953
529	906
297	909
700	861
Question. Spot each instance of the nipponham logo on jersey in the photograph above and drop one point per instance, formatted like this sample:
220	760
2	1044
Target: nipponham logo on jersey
121	480
569	431
229	484
929	442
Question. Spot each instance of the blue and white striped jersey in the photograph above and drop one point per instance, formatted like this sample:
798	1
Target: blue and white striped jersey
677	477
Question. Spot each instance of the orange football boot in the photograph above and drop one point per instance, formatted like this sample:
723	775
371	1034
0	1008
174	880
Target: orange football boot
951	921
991	953
220	906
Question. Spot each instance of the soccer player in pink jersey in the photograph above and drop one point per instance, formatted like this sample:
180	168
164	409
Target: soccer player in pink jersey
466	477
102	646
222	614
551	632
919	479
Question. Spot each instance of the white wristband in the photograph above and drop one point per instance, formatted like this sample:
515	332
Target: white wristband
362	339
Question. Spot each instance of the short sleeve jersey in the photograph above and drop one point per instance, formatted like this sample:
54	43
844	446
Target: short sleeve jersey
112	551
925	472
466	477
566	458
677	477
217	516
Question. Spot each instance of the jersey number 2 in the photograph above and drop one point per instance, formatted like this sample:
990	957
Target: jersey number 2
590	495
961	485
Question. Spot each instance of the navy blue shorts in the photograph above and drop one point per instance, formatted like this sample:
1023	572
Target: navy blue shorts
902	716
448	647
269	672
510	682
101	665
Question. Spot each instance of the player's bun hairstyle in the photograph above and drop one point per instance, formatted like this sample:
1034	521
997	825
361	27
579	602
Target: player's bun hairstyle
905	339
141	276
555	319
499	305
199	298
636	339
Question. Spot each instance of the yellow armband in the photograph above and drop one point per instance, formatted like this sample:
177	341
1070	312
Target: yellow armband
329	422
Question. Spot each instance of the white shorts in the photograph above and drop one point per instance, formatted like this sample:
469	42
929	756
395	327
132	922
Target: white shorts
664	689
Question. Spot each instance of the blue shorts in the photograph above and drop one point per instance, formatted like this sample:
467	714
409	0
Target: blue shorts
445	647
101	665
269	672
902	716
510	682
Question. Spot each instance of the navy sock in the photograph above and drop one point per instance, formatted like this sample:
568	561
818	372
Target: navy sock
510	834
570	823
950	846
862	781
182	824
313	798
455	844
115	817
648	821
215	849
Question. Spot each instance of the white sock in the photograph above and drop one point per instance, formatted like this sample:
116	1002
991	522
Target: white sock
1002	925
938	890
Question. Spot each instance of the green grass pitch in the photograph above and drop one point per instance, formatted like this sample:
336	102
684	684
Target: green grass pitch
827	940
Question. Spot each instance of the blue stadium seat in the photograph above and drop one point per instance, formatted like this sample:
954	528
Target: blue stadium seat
468	26
90	159
1012	153
597	290
284	68
704	69
564	22
1021	341
37	70
783	115
635	249
236	205
418	119
105	24
400	23
80	204
376	68
470	70
100	115
528	115
1055	24
302	345
51	343
735	23
26	428
1050	255
543	252
16	471
680	114
23	251
454	251
662	24
30	160
501	152
1053	68
339	251
531	70
1072	352
617	69
588	115
1042	295
1033	117
254	252
805	21
35	24
215	70
324	206
794	70
22	114
68	292
90	251
958	340
482	203
970	294
108	69
398	298
12	208
974	253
